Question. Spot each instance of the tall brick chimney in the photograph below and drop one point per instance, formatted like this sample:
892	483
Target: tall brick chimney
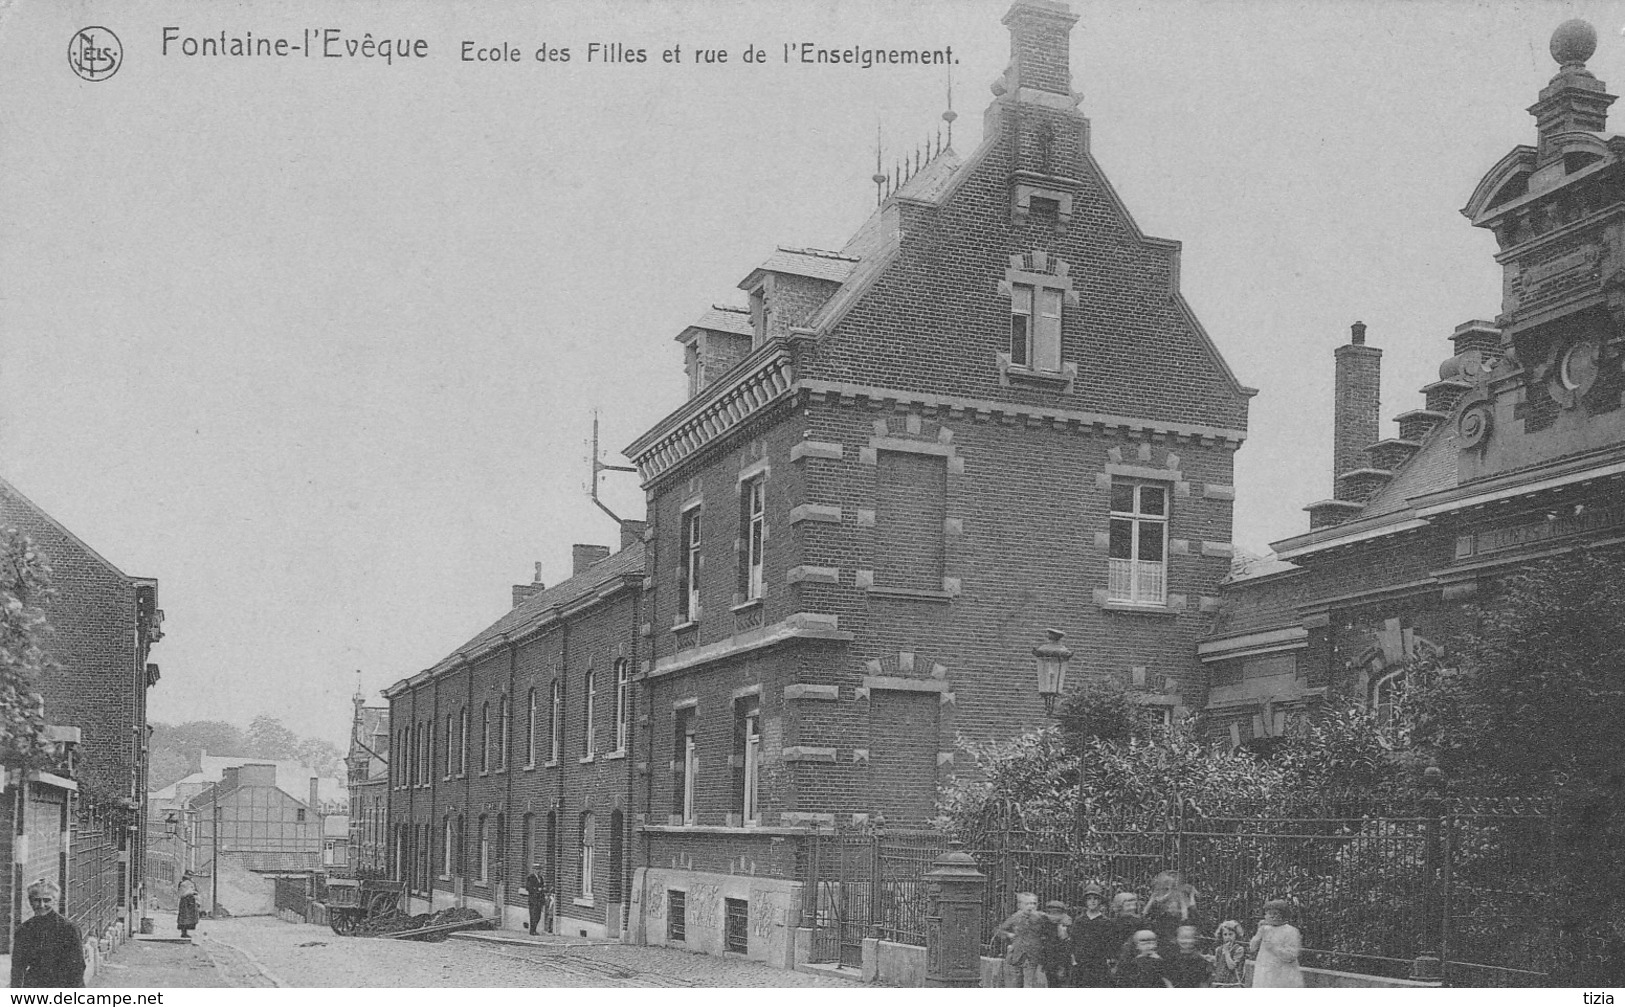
632	533
315	798
1040	45
583	556
1356	405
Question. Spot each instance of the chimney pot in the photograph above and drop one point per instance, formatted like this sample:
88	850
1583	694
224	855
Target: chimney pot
1357	333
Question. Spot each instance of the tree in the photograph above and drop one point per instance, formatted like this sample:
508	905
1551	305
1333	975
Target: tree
1532	702
25	591
268	738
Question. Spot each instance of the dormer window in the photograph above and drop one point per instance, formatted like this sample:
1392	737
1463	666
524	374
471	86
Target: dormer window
695	366
758	315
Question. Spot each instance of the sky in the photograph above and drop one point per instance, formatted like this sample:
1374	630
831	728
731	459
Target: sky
316	342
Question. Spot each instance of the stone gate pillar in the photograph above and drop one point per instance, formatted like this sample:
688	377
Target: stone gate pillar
953	942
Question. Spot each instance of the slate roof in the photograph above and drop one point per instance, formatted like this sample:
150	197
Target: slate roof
534	609
813	262
1431	469
724	318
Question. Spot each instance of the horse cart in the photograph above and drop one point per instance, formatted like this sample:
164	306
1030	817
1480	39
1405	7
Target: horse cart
352	903
371	907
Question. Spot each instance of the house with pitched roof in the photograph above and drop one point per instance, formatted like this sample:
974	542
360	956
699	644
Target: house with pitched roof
515	749
989	414
82	824
1515	453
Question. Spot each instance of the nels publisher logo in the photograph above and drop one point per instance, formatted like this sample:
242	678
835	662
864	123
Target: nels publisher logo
95	53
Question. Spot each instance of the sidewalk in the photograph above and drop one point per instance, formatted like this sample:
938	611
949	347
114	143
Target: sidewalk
164	959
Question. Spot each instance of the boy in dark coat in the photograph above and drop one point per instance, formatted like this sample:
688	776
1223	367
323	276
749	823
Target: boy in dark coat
1094	941
47	951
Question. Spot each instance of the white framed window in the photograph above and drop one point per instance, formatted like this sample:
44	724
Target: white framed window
688	594
504	715
588	853
446	849
485	850
751	810
1035	326
485	737
449	734
691	766
1138	553
462	742
590	733
530	733
555	721
623	704
753	536
685	766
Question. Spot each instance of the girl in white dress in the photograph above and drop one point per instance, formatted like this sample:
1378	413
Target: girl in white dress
1275	948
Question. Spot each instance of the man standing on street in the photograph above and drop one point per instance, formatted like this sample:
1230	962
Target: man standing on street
536	895
46	951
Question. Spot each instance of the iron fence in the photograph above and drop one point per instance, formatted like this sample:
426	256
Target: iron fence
1379	880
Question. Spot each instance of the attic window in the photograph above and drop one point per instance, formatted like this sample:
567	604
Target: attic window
1040	289
758	315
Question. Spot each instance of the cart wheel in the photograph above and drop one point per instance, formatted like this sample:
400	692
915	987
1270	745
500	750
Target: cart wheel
342	923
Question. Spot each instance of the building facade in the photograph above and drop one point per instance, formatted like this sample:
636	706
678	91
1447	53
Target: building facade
83	824
1516	453
367	766
989	414
516	749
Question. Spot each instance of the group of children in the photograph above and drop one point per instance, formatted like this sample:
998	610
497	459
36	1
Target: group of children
1157	949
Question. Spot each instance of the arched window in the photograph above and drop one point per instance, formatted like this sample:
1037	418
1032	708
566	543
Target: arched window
587	853
555	725
617	854
530	737
588	736
447	847
485	738
450	764
502	732
1388	696
623	704
527	842
485	851
462	742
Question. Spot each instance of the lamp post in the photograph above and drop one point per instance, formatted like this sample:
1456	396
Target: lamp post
1051	658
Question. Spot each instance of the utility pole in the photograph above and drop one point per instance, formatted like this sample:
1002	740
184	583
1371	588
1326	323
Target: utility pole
214	865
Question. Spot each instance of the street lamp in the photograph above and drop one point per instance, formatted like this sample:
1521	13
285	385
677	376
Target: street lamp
1051	658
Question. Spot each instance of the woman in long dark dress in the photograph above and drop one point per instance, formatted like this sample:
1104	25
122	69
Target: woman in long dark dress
186	915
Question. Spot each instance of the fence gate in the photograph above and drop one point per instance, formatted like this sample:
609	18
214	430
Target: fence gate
838	895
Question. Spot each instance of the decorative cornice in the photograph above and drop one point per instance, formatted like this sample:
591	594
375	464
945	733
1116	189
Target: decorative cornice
721	408
1227	436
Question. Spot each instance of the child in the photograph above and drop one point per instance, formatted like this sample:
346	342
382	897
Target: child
1057	945
1275	947
1125	924
1146	969
1188	969
1094	942
1229	955
1025	929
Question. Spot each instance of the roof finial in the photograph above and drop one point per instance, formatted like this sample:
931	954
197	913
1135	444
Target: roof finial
1573	43
879	177
950	115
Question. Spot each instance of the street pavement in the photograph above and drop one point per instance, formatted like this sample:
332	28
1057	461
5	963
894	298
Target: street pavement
264	951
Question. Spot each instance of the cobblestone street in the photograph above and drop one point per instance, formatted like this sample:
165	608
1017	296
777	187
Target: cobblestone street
263	951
